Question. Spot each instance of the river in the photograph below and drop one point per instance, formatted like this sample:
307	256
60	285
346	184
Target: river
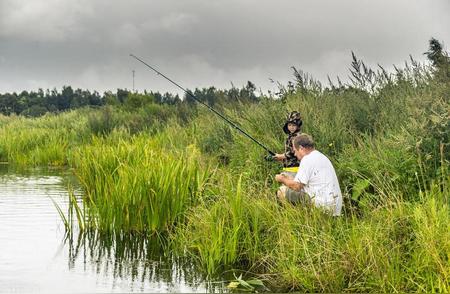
36	254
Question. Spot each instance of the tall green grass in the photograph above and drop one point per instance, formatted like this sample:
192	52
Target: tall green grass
135	186
398	247
50	139
215	231
42	141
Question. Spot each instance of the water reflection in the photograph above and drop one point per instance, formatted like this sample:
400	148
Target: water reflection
36	254
140	260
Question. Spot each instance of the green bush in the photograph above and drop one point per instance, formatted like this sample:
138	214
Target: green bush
388	164
102	122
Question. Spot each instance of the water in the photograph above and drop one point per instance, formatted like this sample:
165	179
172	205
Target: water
37	256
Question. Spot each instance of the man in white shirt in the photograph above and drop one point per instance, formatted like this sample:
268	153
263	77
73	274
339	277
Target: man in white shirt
316	178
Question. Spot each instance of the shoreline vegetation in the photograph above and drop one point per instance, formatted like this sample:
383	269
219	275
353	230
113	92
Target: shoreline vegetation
151	165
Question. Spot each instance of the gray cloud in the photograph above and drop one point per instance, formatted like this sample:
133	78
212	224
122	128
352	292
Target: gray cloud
86	43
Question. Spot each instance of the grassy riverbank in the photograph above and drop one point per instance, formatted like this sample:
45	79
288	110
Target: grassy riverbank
211	191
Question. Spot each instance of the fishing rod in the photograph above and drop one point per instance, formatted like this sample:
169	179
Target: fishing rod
209	107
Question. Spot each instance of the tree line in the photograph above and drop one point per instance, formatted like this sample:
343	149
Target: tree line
40	102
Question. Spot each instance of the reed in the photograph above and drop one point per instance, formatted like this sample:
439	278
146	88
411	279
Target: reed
42	141
216	231
429	266
74	207
134	186
396	247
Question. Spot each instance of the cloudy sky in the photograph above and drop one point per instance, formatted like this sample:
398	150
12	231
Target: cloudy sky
199	43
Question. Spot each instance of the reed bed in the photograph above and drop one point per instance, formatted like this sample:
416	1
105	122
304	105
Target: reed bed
397	247
42	141
134	186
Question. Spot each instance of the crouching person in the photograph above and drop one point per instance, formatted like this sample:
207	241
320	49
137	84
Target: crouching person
315	182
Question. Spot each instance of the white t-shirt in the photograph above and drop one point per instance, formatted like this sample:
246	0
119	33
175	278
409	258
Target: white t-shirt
321	183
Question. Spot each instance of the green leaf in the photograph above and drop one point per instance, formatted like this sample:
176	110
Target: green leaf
245	284
255	282
359	187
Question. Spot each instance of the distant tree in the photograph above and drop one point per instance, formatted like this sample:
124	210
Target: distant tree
136	100
233	93
170	99
34	111
95	99
51	98
435	53
158	97
23	101
8	103
248	92
80	98
110	98
206	95
439	59
188	98
65	99
122	95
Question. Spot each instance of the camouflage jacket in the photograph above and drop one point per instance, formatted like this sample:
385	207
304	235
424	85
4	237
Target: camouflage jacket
291	160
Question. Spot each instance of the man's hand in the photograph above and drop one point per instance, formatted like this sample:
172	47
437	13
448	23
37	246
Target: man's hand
279	157
289	182
280	178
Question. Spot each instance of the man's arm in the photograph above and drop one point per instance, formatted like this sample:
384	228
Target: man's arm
289	182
